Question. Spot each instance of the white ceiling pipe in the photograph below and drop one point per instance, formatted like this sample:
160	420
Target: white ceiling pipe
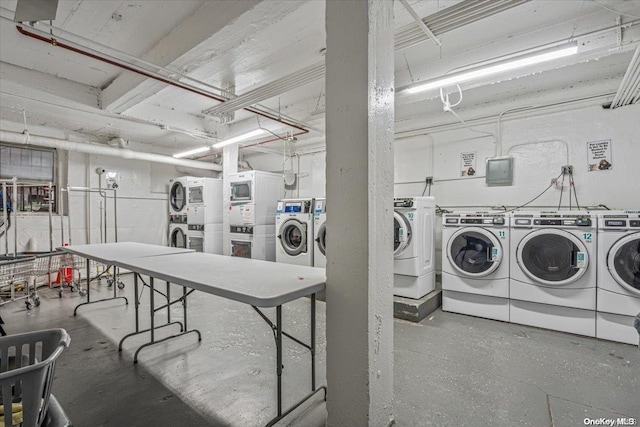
92	147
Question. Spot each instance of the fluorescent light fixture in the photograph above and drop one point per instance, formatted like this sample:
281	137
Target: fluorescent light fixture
191	152
496	68
239	138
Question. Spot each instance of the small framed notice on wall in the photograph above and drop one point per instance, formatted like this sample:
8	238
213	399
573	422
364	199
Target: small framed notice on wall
599	155
468	164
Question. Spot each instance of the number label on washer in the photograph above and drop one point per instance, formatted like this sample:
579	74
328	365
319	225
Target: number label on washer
502	234
588	237
410	215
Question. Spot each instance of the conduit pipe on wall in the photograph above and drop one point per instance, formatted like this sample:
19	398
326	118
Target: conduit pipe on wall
91	147
67	45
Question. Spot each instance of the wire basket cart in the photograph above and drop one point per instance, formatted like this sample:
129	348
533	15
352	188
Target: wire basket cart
27	364
16	282
69	272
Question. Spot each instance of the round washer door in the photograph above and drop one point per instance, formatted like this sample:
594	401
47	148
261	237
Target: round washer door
293	237
178	239
401	233
623	262
321	240
177	196
474	251
552	257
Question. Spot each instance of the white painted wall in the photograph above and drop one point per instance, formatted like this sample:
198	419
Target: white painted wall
142	203
535	163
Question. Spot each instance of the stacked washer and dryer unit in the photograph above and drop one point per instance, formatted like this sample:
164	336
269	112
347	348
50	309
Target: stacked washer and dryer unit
251	208
204	215
618	290
475	264
195	214
178	204
294	228
414	246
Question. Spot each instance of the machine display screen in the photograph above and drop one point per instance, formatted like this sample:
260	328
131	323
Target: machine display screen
615	223
293	207
241	191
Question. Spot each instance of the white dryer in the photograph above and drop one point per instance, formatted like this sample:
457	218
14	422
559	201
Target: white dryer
553	271
618	275
178	235
414	246
320	233
294	228
205	238
179	195
475	264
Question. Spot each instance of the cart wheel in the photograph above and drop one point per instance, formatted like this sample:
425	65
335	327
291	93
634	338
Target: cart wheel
60	293
36	301
29	305
120	285
99	281
73	288
82	292
110	282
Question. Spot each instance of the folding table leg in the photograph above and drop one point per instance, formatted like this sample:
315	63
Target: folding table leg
75	311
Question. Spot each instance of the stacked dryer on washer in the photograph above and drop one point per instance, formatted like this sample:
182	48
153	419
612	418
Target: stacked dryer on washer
204	215
553	271
294	228
251	208
618	275
178	205
475	264
414	246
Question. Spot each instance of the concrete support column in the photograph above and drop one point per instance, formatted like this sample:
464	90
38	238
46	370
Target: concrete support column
359	132
229	166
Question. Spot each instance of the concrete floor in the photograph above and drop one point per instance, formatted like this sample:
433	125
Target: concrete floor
449	369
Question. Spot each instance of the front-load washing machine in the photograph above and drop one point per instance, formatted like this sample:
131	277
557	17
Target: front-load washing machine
553	271
178	235
414	246
320	233
294	228
475	264
618	275
179	195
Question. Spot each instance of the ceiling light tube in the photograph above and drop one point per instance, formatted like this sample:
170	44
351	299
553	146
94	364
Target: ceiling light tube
239	138
495	68
191	152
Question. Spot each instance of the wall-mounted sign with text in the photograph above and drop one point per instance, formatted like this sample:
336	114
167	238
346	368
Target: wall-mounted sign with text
468	164
599	155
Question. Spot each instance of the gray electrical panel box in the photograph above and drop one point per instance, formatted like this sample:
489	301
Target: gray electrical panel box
499	171
35	10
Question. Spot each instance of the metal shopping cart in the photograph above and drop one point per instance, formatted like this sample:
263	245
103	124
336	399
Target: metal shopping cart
69	270
27	364
16	282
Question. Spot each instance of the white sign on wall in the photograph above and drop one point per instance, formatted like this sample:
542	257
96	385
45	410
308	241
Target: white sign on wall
599	155
468	164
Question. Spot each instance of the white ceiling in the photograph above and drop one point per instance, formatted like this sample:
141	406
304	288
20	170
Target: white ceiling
251	43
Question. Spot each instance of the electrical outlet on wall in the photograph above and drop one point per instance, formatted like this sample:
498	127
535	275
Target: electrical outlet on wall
567	170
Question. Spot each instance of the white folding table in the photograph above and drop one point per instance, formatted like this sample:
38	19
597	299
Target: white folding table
257	283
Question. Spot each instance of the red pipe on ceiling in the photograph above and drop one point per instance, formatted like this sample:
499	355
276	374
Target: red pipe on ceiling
258	112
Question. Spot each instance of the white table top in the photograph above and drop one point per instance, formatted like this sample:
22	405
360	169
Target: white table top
254	282
116	253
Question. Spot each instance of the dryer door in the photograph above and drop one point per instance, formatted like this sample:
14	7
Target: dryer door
178	239
177	196
321	240
552	257
474	251
623	262
401	233
293	237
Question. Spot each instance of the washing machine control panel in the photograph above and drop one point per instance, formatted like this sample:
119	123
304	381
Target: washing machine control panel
177	219
634	223
578	222
195	227
403	203
243	229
